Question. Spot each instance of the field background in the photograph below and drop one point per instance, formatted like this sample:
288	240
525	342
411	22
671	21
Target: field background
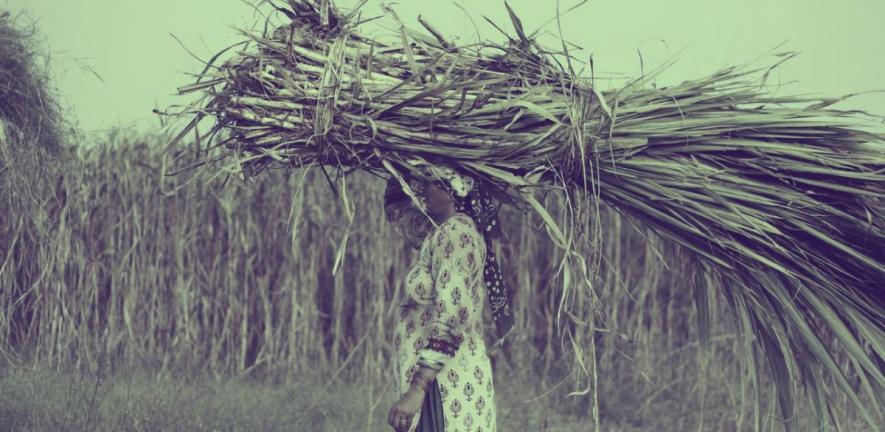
128	307
134	301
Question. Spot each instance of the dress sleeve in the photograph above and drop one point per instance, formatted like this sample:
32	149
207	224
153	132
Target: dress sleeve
407	221
455	254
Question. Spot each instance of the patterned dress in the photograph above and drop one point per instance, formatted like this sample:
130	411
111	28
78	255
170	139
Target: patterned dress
440	320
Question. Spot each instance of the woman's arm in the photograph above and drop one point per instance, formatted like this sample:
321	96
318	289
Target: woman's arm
455	260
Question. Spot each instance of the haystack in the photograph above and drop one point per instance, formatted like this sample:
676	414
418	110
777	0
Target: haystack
28	105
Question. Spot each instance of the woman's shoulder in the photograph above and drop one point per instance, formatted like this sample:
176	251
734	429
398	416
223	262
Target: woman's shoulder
460	222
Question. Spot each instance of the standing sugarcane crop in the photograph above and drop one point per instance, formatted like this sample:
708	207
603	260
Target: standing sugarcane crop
778	197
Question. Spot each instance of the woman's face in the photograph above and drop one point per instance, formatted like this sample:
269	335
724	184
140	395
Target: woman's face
437	199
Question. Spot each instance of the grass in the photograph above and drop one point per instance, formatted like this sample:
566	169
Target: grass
41	399
44	400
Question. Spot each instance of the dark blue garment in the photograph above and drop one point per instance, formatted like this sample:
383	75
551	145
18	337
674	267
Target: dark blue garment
432	418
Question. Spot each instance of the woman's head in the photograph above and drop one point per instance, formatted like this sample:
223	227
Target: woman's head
444	190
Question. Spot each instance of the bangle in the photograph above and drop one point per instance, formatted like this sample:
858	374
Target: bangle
420	383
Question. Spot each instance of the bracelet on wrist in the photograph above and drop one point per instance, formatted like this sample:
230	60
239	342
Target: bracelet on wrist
419	383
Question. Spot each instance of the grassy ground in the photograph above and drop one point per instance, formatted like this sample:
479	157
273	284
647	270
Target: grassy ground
43	400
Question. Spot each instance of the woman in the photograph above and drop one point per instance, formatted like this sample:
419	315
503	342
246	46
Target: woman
445	374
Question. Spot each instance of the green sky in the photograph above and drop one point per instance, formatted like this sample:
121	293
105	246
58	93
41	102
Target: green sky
129	44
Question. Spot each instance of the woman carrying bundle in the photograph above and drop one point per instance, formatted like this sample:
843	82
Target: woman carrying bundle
444	371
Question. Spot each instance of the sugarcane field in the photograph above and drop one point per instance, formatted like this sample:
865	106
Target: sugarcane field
414	216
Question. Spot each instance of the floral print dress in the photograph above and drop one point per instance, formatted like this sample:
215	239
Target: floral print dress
440	323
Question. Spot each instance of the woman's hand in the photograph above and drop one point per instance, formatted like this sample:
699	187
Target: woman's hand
406	408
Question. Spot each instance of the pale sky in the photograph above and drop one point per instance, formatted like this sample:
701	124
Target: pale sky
129	44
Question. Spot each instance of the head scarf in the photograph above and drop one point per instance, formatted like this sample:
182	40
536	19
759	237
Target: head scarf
474	200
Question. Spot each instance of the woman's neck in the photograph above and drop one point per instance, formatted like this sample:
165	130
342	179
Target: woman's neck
440	219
